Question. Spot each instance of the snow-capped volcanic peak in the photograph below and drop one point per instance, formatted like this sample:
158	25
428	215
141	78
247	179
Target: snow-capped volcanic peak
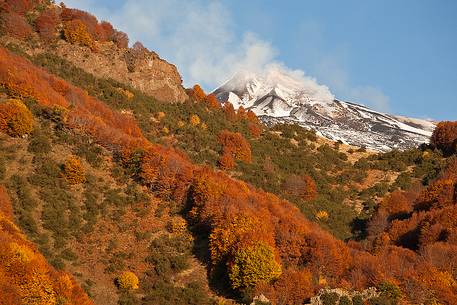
291	86
281	95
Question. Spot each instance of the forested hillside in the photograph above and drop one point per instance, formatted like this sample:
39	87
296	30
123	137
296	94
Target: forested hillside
147	201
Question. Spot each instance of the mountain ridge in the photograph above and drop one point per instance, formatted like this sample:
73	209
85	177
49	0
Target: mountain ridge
279	96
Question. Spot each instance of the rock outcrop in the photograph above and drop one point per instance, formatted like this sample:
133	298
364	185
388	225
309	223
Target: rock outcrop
142	69
336	295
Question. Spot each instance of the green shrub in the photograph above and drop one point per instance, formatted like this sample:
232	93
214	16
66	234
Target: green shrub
169	255
390	291
403	181
329	298
113	197
68	255
345	300
39	143
166	293
357	300
47	174
127	298
91	152
2	167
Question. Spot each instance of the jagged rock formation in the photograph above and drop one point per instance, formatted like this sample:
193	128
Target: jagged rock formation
138	67
338	293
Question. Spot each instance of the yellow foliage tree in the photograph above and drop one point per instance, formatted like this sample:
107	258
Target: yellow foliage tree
74	171
322	215
160	115
75	32
252	265
194	120
222	238
15	118
127	280
177	225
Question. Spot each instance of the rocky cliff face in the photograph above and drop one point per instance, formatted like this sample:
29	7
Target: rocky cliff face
138	67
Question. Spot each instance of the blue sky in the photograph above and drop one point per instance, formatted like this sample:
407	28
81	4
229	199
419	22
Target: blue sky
395	56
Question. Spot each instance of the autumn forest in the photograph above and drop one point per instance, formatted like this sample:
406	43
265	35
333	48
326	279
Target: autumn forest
113	195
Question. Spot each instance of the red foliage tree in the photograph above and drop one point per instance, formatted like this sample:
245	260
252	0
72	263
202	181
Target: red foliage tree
235	145
46	24
20	6
105	31
212	101
14	25
254	129
5	204
166	172
121	39
303	187
226	161
90	21
396	203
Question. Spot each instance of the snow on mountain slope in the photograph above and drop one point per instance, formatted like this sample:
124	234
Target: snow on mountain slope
277	96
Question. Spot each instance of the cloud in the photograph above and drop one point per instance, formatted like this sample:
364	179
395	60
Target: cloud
198	36
331	71
195	35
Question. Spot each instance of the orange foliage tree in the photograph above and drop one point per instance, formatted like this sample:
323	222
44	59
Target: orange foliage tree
5	204
226	161
396	203
196	93
15	118
235	145
212	101
444	137
250	115
102	31
292	287
229	112
254	129
90	22
74	171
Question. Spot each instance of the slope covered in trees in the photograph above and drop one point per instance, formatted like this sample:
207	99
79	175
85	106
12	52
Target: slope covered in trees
252	241
25	276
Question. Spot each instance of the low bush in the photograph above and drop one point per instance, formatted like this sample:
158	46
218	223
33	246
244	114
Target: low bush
74	171
15	118
128	281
